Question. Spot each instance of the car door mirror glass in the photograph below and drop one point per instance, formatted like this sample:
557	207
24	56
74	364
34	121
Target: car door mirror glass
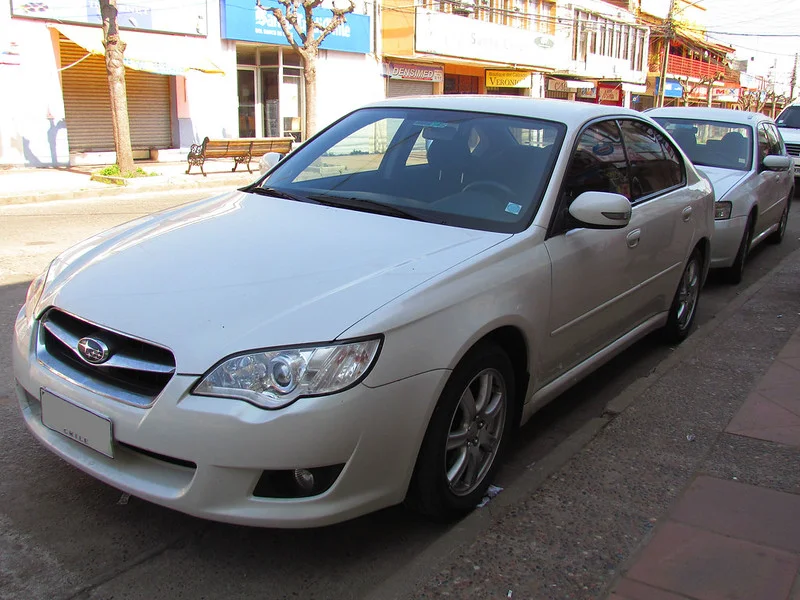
775	162
601	210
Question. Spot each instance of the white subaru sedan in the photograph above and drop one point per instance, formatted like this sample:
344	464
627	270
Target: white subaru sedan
744	156
372	320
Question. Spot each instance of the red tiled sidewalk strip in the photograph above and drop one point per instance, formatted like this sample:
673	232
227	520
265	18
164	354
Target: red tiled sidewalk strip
772	411
701	565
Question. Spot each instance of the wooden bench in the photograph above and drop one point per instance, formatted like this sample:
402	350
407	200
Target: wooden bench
241	150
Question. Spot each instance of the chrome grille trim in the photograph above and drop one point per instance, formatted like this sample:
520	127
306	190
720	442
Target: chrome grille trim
135	374
120	360
793	149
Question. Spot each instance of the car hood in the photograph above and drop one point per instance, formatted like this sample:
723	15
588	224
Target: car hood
242	271
790	134
723	180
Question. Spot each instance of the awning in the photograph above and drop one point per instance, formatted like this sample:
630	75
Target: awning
152	52
634	88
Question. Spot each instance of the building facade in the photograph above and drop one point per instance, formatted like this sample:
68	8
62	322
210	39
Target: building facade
194	69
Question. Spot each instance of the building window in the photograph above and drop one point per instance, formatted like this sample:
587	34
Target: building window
596	34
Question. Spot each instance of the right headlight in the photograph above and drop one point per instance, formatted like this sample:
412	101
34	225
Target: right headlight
276	378
34	294
722	210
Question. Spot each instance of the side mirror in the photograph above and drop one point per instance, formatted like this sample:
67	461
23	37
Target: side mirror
601	210
269	160
777	162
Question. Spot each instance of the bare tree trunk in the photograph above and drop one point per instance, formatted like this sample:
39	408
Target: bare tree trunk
310	76
115	69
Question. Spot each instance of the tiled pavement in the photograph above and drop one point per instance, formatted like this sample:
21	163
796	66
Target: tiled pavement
723	539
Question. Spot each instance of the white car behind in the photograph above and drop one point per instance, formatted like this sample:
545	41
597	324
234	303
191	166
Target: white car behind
745	158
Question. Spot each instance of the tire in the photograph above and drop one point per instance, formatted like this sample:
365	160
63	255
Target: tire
735	272
684	304
777	237
446	483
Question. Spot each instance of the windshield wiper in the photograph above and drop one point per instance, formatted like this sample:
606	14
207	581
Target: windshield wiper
369	206
274	193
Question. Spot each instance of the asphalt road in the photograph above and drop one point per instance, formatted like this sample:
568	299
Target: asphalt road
65	535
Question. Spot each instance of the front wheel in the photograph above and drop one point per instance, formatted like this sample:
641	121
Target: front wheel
684	304
777	237
467	433
735	272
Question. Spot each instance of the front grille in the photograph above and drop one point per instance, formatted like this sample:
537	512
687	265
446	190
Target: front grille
793	149
135	372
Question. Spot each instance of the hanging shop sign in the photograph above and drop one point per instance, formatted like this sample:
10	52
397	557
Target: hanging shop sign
248	21
412	72
673	89
508	79
611	94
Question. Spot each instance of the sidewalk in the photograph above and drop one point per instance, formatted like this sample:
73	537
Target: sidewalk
724	538
25	185
687	488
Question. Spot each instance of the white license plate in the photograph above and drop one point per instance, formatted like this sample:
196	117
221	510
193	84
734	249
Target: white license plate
77	423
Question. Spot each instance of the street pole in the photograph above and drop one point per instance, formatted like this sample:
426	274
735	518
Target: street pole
793	81
667	39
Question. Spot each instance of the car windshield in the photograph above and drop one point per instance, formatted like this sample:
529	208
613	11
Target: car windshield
466	169
712	143
790	117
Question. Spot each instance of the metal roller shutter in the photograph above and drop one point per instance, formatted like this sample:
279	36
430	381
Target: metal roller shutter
398	87
88	107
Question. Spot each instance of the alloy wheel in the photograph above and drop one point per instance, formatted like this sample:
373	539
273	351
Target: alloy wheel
476	430
688	293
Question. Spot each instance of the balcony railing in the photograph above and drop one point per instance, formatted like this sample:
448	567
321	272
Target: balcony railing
689	67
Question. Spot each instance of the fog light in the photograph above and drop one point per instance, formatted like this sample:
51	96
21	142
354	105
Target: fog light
304	479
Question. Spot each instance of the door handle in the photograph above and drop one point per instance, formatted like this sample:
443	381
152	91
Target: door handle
686	213
633	238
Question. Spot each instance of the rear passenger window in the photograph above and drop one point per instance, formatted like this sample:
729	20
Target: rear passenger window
598	164
655	164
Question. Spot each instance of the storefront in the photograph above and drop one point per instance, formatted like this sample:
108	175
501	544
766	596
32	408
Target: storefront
412	79
270	79
61	108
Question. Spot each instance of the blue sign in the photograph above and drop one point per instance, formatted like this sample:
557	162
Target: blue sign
673	89
245	21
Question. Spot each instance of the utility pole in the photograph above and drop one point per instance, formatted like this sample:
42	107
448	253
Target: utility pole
793	80
668	33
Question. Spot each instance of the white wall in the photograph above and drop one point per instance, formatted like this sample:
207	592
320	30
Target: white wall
346	81
32	127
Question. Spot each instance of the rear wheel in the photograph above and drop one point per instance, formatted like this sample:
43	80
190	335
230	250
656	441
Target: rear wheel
777	237
684	304
735	272
467	434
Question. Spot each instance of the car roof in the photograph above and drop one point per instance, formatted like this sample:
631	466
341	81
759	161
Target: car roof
709	114
572	113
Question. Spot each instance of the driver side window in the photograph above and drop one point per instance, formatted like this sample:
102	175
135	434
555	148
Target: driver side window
598	163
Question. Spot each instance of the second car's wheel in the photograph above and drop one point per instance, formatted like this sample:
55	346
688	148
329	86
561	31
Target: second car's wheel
777	237
684	304
735	272
466	436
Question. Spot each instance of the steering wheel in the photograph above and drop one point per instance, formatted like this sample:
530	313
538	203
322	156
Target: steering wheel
488	184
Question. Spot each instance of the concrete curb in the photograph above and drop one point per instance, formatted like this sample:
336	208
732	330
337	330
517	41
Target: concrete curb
165	185
404	580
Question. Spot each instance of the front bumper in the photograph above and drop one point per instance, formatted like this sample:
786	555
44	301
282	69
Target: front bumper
725	243
375	432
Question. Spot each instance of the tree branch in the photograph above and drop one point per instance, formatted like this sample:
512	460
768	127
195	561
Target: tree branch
288	22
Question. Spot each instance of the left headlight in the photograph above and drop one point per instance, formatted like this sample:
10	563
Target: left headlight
276	378
34	294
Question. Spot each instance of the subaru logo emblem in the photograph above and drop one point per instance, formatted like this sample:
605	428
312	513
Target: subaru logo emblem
93	351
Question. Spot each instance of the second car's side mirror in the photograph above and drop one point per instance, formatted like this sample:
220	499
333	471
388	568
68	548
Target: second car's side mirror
601	210
269	160
777	162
